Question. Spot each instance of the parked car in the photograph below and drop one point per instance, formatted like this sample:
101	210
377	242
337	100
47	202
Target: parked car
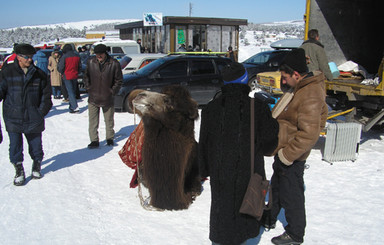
133	62
120	46
269	60
201	75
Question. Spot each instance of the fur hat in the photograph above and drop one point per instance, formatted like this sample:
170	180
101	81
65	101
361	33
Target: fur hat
25	49
100	48
296	60
235	73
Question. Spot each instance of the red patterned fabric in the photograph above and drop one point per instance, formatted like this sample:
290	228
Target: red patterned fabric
128	152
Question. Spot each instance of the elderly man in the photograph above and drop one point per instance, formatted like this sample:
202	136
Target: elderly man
27	99
301	114
102	79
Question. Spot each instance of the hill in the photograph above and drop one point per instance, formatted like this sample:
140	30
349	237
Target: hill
49	32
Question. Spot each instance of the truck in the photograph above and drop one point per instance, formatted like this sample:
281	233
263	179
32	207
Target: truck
349	31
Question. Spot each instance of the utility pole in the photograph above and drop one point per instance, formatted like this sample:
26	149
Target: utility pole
190	9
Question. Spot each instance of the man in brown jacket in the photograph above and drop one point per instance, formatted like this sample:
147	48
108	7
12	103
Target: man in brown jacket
301	114
102	79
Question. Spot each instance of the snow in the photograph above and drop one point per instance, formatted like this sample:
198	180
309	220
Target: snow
84	195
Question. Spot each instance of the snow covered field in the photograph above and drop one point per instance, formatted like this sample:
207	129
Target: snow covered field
84	196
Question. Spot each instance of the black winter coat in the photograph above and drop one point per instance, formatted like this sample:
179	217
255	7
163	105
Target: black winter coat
224	155
27	98
102	82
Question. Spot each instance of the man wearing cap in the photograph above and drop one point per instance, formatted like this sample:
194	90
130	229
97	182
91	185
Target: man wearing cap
224	154
102	79
27	99
301	114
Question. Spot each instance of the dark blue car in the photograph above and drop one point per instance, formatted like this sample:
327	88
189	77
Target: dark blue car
200	74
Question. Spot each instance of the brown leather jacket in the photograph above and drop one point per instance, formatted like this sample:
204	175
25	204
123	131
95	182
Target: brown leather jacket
302	119
102	84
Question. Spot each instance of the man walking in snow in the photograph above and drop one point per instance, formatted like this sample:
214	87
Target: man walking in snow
102	79
27	99
70	65
301	115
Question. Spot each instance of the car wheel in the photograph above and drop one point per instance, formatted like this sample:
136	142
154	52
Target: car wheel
252	82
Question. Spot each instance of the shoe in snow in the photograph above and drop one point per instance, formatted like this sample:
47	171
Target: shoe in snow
36	170
110	142
93	145
284	239
20	175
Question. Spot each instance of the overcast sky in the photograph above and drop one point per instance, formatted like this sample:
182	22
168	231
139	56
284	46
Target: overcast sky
15	13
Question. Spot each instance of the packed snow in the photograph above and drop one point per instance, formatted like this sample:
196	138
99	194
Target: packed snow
84	196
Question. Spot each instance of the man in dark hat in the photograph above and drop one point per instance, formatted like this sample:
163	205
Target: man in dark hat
224	154
27	99
301	114
102	79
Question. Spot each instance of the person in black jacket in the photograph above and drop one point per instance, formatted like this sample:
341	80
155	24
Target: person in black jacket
102	79
26	95
224	154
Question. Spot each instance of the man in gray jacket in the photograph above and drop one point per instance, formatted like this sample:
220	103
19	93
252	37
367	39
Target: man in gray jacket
102	79
316	57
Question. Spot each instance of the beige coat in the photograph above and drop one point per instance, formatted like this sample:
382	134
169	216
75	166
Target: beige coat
52	67
302	119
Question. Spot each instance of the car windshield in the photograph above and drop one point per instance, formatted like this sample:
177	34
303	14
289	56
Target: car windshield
267	56
130	49
259	58
146	70
125	61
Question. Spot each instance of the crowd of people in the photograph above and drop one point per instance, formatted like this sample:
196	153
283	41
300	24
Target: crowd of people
287	132
27	82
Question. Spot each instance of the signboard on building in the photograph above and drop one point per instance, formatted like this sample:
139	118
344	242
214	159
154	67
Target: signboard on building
153	19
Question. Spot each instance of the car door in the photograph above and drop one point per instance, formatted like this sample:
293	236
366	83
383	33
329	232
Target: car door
170	73
204	80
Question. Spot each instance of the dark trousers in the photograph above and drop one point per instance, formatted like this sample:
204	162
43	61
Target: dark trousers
64	90
71	88
288	193
16	147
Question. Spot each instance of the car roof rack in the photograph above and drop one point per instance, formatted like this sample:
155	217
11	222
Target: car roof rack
198	53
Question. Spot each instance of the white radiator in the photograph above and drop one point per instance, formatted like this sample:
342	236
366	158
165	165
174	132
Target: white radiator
342	142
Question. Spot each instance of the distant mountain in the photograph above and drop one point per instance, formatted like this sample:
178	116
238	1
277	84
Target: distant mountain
80	25
46	33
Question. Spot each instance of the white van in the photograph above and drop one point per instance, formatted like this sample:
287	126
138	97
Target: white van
120	46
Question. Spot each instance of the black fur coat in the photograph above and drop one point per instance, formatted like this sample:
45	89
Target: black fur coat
224	155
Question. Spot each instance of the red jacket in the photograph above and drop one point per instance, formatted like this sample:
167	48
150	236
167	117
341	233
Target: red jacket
69	65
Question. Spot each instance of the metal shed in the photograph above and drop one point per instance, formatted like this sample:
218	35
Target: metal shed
197	33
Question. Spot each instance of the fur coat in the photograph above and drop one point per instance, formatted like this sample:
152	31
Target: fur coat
224	155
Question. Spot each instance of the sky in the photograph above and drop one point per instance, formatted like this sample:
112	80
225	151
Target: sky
37	12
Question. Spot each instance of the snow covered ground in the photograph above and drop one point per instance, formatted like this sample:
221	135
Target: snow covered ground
84	196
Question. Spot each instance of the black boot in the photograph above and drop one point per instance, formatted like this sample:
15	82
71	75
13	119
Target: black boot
284	239
36	168
93	145
20	175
